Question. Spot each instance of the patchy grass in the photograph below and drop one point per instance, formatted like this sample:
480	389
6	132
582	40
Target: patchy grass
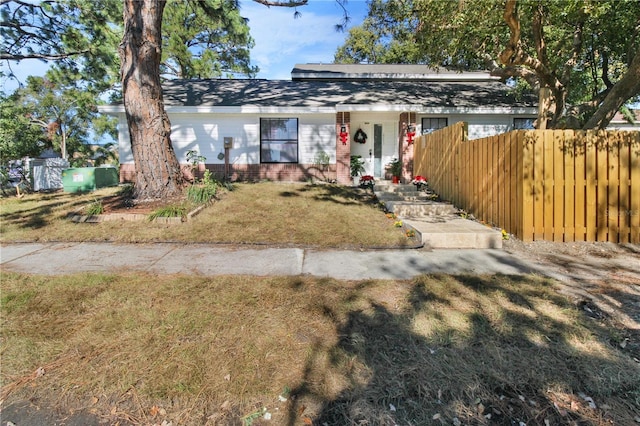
143	349
274	213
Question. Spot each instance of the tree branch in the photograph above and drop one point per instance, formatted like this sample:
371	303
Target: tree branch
46	57
576	49
626	88
290	3
538	35
605	70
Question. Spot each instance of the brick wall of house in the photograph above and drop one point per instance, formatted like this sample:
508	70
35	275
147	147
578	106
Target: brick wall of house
343	151
405	148
252	172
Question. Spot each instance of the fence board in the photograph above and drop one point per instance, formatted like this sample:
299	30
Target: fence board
613	190
580	184
506	184
624	219
538	185
558	187
551	185
569	186
547	199
634	187
500	182
602	183
527	209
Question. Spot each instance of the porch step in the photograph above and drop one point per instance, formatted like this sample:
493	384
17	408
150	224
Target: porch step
388	187
435	223
418	208
454	232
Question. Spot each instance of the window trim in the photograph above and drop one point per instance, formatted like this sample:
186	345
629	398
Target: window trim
295	141
531	119
423	128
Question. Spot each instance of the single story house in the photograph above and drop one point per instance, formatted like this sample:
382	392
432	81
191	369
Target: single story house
310	126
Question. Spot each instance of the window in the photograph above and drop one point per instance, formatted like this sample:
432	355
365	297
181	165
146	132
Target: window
279	140
432	124
523	123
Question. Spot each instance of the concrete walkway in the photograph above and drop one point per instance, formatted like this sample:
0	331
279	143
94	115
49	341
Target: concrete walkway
209	260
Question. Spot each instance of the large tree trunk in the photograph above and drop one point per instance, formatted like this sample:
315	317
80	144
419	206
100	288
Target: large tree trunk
158	173
627	87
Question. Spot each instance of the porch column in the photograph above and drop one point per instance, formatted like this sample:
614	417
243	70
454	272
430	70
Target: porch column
343	150
406	147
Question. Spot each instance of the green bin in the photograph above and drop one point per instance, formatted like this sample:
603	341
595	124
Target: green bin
106	176
79	179
83	179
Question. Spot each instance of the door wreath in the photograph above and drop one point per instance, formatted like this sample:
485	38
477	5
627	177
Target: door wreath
360	136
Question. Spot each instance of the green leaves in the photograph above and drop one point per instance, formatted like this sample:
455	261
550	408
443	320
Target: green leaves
582	47
19	136
205	39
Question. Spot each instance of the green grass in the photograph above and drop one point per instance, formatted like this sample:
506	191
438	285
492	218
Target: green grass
273	213
201	350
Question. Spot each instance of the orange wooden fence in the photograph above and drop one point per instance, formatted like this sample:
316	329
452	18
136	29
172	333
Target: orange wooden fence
552	185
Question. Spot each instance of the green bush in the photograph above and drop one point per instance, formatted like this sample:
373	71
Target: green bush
204	191
95	208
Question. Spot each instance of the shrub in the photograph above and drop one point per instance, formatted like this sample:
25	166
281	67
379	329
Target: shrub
95	208
168	211
203	191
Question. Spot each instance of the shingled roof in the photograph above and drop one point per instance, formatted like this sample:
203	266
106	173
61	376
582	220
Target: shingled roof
395	72
288	93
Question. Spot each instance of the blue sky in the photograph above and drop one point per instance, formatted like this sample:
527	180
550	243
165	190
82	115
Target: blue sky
281	41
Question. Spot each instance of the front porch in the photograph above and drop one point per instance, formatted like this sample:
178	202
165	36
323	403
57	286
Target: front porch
385	138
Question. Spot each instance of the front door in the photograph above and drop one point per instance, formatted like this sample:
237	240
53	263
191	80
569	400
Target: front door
377	150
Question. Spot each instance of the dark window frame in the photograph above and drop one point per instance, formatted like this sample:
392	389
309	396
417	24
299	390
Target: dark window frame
268	137
429	128
529	120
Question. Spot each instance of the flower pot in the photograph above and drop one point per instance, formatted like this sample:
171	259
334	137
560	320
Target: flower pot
356	180
395	179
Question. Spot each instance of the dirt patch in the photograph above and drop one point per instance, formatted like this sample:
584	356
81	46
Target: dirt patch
122	204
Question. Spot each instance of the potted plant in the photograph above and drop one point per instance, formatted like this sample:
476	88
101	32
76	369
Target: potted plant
420	182
367	181
395	168
357	168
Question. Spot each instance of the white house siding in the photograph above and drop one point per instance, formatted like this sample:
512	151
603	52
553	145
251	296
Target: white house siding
124	145
205	133
480	125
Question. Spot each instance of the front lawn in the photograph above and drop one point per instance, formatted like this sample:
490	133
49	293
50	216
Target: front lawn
273	213
142	349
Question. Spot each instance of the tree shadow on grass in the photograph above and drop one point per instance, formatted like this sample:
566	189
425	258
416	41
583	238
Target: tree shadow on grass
340	194
44	212
469	350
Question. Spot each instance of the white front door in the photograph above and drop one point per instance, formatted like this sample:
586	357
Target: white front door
383	148
381	144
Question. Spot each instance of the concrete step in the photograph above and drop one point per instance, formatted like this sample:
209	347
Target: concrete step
455	233
385	186
413	209
400	196
435	223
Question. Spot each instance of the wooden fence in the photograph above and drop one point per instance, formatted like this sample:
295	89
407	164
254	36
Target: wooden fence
552	185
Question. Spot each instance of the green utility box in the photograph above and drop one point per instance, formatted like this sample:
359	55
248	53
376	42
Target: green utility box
106	176
83	179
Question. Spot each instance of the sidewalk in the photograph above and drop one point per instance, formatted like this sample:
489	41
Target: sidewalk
209	260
